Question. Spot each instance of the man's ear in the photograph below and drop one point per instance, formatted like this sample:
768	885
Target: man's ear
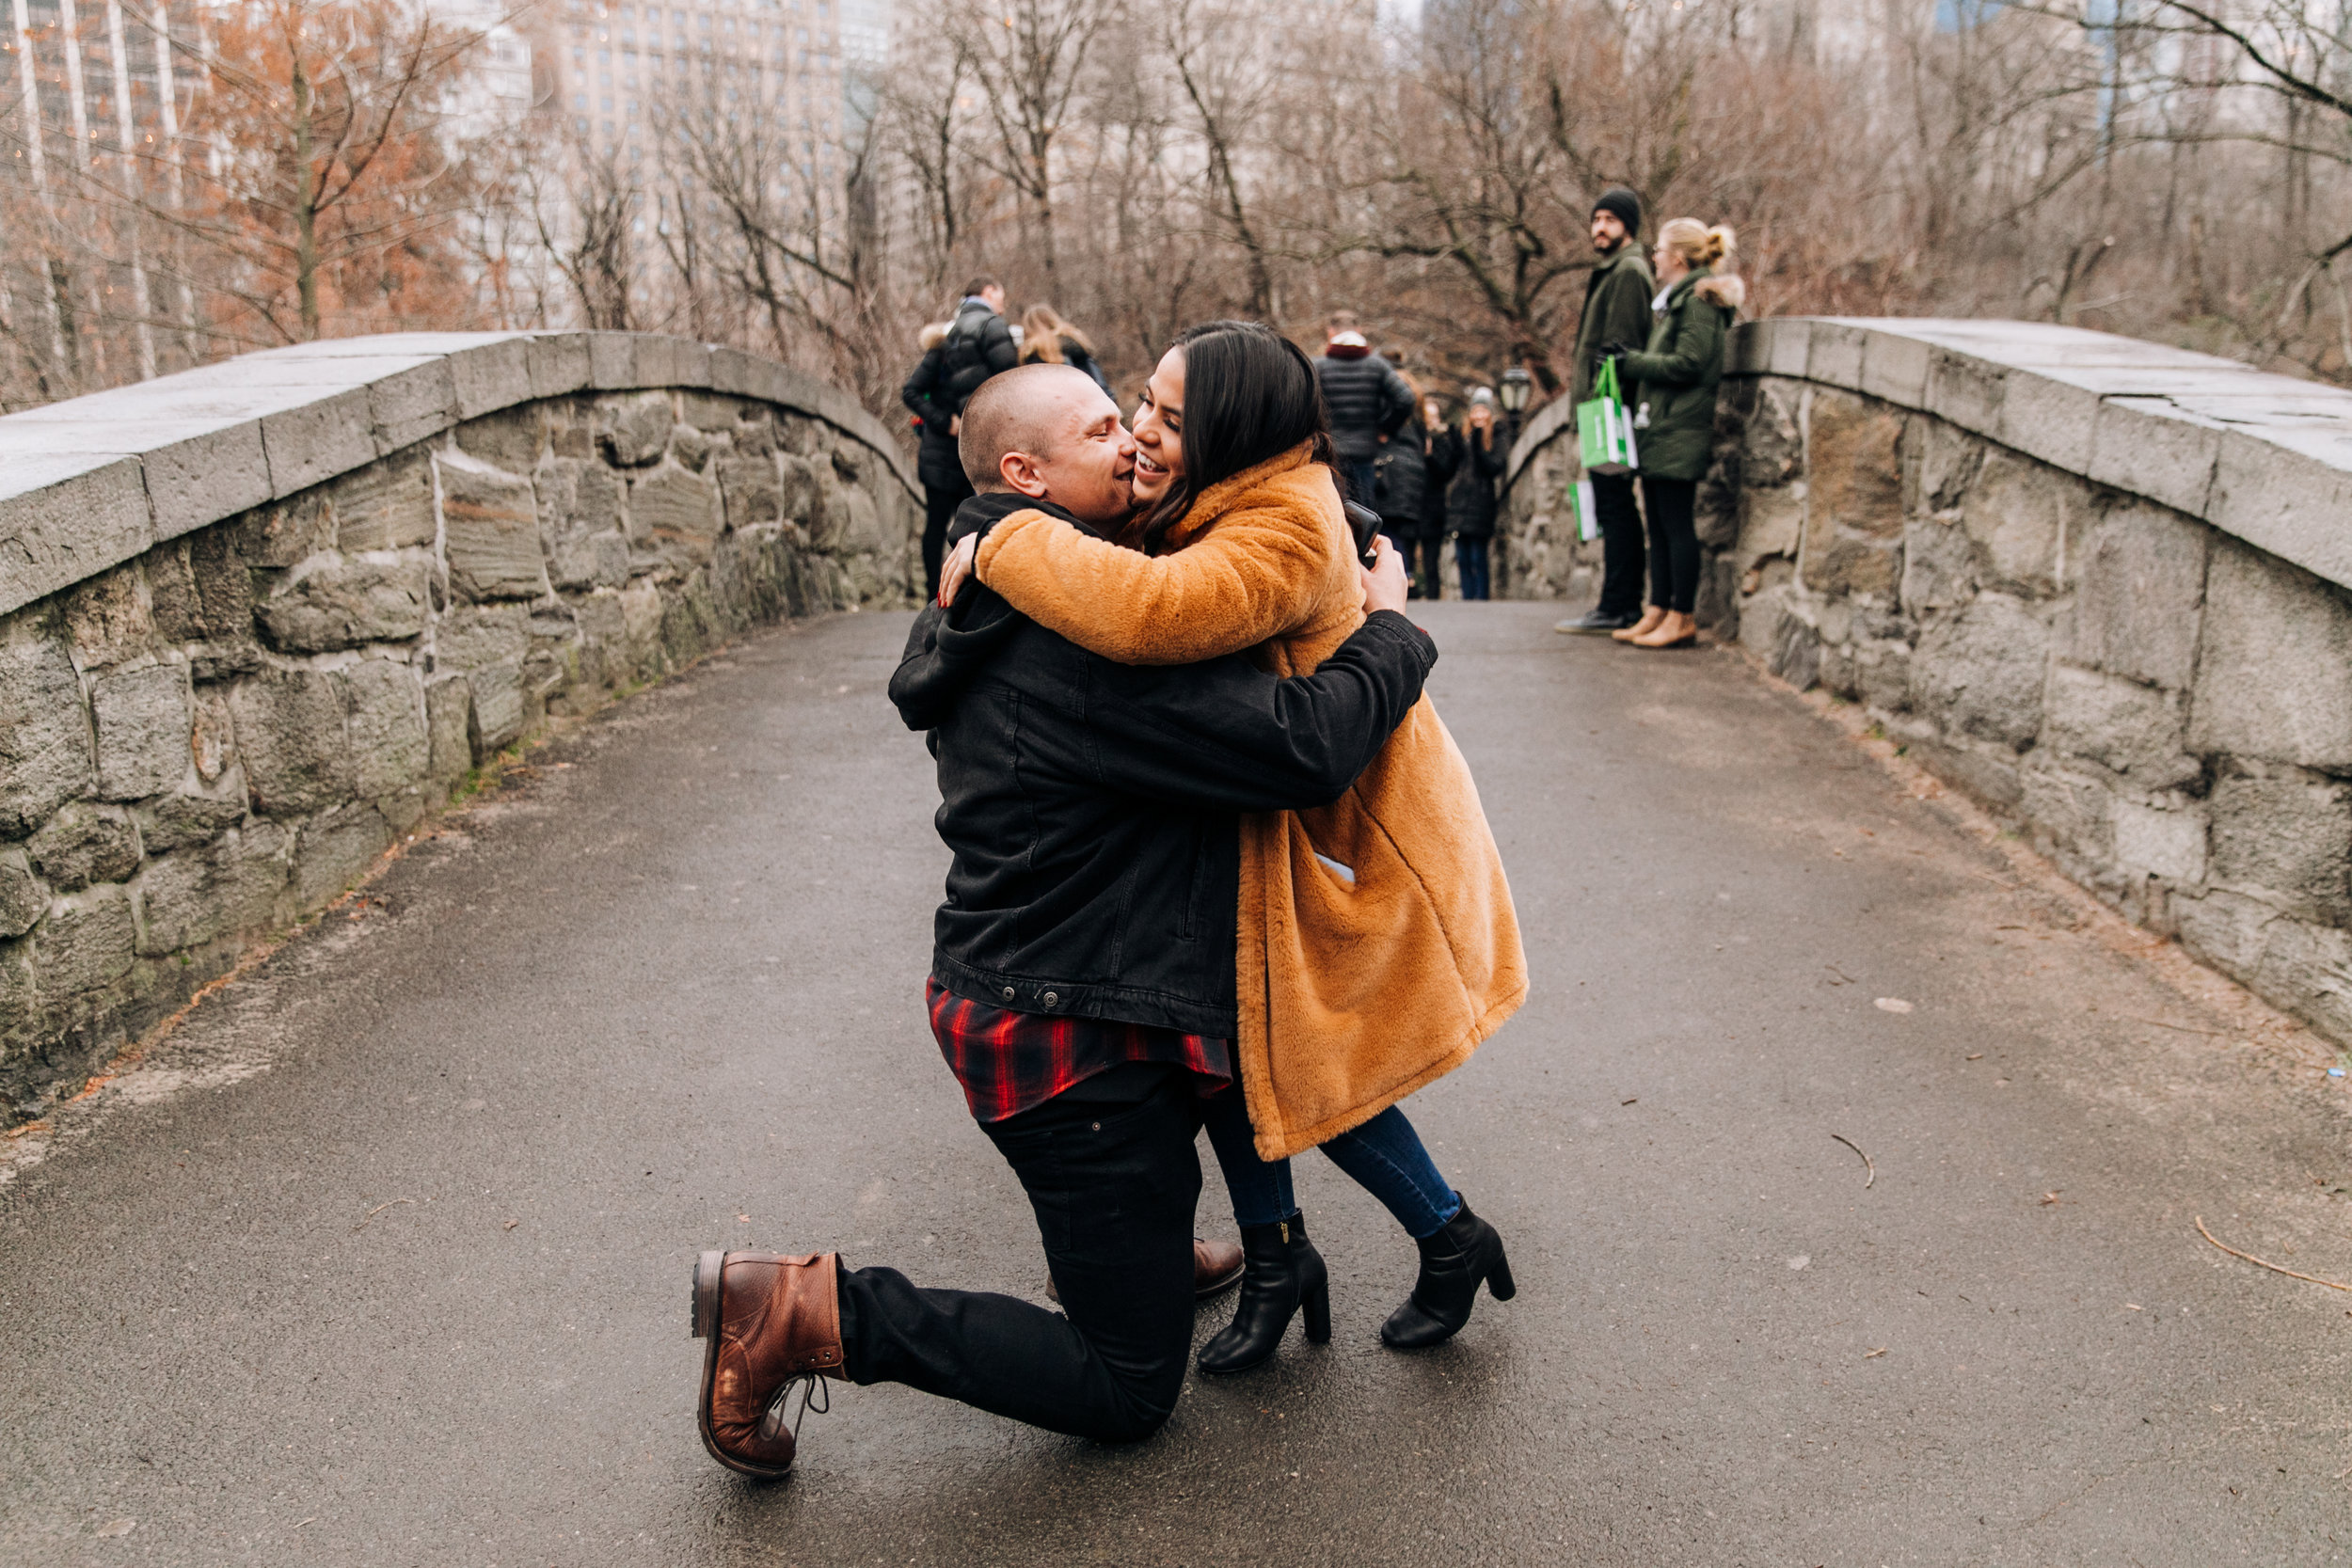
1021	471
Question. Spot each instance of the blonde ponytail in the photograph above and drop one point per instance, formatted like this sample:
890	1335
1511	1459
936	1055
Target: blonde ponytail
1697	243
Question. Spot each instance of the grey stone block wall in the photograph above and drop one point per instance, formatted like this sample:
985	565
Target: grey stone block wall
2099	586
214	729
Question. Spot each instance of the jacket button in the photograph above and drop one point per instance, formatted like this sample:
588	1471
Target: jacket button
1008	993
1052	1000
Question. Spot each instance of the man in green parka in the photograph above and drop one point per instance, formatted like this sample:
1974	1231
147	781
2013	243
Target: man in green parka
1616	311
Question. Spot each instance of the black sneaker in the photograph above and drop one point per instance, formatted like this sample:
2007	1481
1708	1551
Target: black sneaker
1595	623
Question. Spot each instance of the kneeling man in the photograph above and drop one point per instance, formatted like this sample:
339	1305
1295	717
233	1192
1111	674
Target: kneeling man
1082	976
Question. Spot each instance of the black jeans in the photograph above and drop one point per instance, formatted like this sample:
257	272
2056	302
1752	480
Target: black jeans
939	509
1423	563
1674	542
1110	1169
1620	544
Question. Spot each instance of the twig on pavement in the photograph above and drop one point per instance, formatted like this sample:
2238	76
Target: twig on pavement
2274	1268
377	1210
2183	1028
1866	1162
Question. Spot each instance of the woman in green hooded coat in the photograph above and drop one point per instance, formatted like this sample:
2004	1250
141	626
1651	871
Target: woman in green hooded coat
1674	398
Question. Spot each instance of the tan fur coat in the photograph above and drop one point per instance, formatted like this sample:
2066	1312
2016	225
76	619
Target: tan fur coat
1353	994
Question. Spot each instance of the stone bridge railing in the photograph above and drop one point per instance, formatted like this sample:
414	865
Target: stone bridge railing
256	620
2097	583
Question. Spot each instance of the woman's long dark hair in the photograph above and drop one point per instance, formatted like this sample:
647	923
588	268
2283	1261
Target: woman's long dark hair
1250	394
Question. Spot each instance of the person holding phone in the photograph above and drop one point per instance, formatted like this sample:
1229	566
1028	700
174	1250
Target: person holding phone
1477	457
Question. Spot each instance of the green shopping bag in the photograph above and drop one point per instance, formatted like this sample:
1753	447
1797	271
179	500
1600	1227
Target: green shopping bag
1604	431
1587	518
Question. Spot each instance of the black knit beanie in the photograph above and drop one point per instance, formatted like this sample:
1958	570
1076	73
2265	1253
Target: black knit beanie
1625	204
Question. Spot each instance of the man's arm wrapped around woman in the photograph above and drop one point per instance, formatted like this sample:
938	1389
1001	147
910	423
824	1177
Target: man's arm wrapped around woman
1265	566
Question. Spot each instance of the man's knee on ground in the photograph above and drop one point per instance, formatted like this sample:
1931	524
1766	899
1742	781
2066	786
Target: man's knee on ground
1132	1424
1145	1401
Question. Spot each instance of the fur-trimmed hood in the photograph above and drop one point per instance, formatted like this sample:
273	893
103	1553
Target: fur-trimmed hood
1728	290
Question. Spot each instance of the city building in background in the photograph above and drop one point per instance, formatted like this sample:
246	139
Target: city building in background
495	92
614	70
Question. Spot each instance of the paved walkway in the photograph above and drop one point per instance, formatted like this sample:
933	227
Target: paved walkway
384	1260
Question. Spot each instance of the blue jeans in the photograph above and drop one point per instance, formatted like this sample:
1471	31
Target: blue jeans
1384	1156
1359	475
1469	556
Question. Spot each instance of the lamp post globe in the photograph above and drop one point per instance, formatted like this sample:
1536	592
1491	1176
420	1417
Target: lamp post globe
1514	389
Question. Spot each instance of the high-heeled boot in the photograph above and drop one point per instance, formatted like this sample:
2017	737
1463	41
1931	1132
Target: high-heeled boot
1463	1253
1282	1274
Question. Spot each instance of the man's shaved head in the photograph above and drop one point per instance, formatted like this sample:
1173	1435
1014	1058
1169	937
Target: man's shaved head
1024	409
1049	432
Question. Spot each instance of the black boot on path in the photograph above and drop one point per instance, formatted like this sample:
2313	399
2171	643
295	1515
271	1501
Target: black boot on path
1463	1253
1281	1272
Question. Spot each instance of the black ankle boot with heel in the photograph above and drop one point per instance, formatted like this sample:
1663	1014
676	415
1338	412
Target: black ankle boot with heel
1282	1274
1462	1253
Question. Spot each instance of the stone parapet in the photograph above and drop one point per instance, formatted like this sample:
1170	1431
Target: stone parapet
2101	585
257	619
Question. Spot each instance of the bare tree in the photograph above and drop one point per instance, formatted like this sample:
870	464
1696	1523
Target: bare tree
584	203
1029	62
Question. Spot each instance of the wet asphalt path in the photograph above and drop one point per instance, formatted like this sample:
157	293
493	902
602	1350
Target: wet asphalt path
383	1258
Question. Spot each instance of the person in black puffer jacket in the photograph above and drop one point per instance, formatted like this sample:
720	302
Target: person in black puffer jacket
975	347
1367	400
1476	455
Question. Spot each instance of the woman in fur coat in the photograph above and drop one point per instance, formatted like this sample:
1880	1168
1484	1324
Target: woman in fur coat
1377	941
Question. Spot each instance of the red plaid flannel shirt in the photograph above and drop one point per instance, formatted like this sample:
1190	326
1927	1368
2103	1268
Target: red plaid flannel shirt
1009	1062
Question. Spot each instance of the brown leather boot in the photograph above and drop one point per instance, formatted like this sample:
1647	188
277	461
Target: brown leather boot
1215	1269
771	1320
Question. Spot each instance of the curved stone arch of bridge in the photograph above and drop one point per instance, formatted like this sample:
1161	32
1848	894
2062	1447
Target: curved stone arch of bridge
2097	583
258	618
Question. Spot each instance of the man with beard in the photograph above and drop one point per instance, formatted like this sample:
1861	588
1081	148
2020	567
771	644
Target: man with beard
1616	313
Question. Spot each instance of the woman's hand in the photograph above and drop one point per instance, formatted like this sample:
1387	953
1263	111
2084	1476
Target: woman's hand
956	567
1384	579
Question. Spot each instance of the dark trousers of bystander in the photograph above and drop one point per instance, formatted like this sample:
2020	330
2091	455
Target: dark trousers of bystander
1110	1169
1470	559
1423	563
1674	542
939	509
1620	544
1360	476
